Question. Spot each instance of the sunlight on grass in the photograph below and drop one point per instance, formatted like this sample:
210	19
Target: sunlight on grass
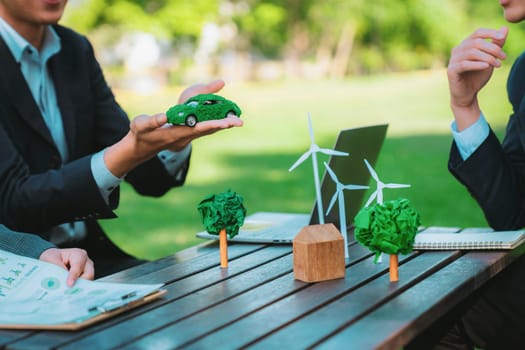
254	160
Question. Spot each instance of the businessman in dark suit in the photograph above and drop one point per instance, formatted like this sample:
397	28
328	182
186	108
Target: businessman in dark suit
494	173
65	143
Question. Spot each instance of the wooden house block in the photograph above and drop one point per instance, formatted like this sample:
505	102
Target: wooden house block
318	253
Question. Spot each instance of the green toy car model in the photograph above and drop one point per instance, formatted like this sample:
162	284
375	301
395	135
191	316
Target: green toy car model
200	108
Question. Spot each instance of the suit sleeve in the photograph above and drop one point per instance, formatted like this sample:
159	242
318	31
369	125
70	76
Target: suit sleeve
150	178
20	243
34	202
494	175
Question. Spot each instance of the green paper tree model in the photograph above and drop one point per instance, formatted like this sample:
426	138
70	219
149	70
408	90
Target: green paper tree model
388	227
223	214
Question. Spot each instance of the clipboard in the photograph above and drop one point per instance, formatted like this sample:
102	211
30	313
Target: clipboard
34	296
86	322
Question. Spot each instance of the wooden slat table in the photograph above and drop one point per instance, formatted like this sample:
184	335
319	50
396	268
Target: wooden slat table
257	303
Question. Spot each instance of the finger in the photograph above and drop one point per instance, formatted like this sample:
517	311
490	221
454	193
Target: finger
182	135
488	40
501	36
215	86
89	270
183	131
75	260
53	256
490	51
480	51
72	278
234	121
466	66
144	122
211	87
218	124
85	270
481	44
491	34
489	58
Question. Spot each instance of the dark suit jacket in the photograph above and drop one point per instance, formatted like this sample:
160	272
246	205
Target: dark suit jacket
495	173
36	190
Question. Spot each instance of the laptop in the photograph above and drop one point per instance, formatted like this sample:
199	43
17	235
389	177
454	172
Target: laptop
278	227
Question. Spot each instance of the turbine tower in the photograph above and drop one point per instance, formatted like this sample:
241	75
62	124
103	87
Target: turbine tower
340	198
312	151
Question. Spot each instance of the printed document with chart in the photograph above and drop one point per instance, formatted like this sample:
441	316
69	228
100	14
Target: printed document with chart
34	295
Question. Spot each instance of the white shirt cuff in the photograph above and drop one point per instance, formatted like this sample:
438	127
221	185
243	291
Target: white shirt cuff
472	137
106	181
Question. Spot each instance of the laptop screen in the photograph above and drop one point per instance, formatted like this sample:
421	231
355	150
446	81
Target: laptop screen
360	143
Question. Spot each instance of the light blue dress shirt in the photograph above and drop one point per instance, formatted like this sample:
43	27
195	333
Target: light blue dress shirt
33	64
470	138
34	68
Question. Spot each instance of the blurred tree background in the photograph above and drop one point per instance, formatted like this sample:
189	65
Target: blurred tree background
347	62
146	43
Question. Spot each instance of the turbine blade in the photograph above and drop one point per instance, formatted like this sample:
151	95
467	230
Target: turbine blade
340	153
372	171
396	185
300	160
372	197
331	172
332	152
311	128
355	187
332	202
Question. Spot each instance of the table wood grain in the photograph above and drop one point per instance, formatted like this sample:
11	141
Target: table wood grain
257	303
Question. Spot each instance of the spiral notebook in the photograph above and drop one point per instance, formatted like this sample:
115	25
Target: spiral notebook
468	239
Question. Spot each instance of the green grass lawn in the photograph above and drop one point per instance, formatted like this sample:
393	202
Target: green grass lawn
254	160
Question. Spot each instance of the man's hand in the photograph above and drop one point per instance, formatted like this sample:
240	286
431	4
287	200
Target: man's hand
152	133
470	68
149	135
75	260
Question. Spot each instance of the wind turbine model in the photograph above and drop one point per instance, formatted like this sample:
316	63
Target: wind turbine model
339	196
314	148
380	185
379	191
